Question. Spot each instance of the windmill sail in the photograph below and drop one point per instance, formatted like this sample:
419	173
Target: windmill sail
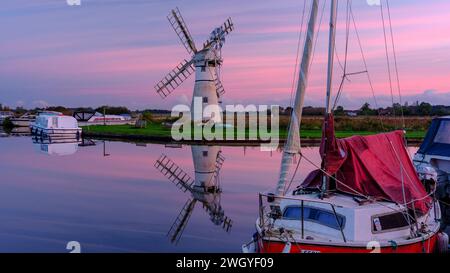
178	24
174	173
218	35
175	78
219	87
292	145
178	226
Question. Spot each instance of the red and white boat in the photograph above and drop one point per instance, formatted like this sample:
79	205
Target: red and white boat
365	196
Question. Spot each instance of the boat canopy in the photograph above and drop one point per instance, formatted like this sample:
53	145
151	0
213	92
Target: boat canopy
437	140
376	166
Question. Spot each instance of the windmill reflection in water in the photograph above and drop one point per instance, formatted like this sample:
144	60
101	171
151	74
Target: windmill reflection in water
204	187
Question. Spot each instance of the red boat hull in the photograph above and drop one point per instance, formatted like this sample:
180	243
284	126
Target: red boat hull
425	246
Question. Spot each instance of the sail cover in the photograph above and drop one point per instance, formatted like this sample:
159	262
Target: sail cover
437	140
376	166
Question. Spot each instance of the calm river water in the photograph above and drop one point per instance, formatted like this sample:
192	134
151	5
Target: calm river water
110	197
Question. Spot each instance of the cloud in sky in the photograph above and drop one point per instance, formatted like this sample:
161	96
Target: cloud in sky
114	51
373	2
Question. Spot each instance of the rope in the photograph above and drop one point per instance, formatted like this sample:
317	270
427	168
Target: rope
365	65
387	59
293	176
347	35
318	31
395	63
298	53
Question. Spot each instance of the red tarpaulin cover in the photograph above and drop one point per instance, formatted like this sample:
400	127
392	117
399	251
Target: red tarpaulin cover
372	165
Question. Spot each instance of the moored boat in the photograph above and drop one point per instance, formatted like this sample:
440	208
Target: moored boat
364	196
432	161
24	120
56	126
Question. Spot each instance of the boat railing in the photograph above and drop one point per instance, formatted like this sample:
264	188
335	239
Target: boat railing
270	210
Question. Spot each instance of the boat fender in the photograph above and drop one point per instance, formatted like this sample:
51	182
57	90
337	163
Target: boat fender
442	242
393	244
287	247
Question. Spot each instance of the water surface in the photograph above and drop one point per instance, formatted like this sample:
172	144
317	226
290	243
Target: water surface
111	198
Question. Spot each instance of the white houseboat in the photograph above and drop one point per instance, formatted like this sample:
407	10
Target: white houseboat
56	126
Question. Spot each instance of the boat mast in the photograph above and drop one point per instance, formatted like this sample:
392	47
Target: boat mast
292	145
331	46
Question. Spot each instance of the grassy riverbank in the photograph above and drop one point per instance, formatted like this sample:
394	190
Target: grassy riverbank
157	130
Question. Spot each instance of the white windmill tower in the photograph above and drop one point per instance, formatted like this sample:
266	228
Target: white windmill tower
208	161
206	63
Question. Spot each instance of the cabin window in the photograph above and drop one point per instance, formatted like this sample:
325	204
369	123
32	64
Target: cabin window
443	134
205	153
205	99
390	222
55	122
321	216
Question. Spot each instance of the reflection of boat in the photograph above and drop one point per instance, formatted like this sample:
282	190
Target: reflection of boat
3	133
56	126
60	147
4	115
432	160
365	196
204	188
24	120
21	131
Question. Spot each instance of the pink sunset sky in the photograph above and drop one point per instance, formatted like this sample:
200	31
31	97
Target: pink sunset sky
114	51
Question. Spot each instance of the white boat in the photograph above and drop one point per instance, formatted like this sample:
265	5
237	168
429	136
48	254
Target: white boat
56	126
4	115
24	120
432	160
100	119
365	195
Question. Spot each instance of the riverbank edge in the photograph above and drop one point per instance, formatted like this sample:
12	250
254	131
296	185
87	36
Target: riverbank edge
312	141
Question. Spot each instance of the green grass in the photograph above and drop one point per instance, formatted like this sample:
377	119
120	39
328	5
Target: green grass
156	129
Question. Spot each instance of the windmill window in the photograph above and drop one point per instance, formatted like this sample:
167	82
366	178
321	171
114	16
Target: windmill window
203	69
205	153
205	99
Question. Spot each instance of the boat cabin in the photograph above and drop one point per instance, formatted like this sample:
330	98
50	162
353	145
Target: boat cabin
56	122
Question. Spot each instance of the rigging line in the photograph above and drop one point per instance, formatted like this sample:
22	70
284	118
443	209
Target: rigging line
395	63
347	35
387	59
365	65
298	53
293	176
318	32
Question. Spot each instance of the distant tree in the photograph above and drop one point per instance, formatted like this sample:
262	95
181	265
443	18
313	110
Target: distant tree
147	116
61	109
425	109
113	110
366	110
20	110
339	111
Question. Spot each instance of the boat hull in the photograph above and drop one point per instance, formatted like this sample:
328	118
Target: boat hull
21	123
427	245
56	133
